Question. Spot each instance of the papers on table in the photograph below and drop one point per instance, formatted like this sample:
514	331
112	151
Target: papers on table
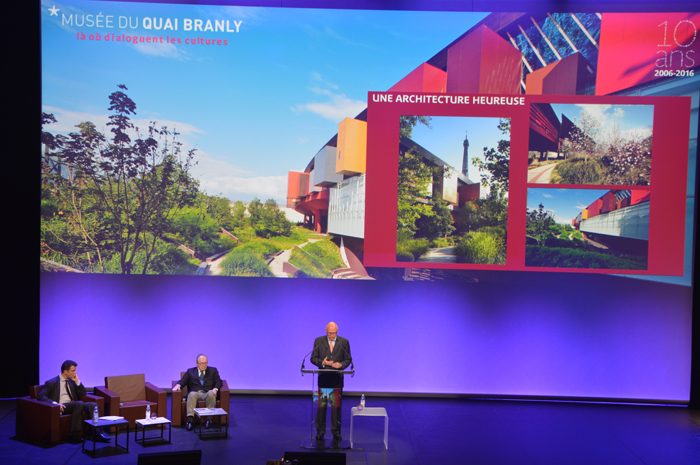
153	421
111	418
210	411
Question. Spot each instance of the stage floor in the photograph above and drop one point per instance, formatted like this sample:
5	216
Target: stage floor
421	432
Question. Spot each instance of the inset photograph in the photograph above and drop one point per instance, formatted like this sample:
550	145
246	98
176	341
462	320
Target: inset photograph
590	144
588	228
453	190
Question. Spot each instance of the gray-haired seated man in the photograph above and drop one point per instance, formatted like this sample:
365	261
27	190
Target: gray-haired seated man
66	390
202	382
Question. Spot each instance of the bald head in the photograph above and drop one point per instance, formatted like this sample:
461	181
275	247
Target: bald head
332	330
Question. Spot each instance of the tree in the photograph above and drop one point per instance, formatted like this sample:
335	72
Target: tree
415	178
438	223
121	194
408	122
255	214
238	214
220	209
274	221
496	161
267	219
539	223
195	228
582	139
627	160
467	218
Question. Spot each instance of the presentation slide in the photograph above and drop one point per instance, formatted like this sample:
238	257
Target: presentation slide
295	142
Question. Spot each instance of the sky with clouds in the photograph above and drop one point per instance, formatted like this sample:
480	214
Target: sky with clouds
564	204
255	108
632	121
445	138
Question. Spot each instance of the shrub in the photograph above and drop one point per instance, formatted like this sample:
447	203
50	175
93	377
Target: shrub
577	258
242	262
578	170
327	252
442	242
481	248
418	247
262	248
403	256
558	242
316	259
165	260
495	230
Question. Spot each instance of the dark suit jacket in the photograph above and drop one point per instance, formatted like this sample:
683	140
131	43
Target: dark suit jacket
341	353
52	390
191	380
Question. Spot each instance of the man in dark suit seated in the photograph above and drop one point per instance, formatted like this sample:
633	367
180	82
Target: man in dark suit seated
331	352
66	390
202	382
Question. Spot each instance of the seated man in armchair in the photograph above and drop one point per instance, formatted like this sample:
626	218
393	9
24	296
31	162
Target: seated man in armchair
202	382
66	390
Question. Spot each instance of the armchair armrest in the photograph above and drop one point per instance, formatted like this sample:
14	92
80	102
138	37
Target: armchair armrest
111	400
175	402
177	394
159	396
224	395
38	420
100	401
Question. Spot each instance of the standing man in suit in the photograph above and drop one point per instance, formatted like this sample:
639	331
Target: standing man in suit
202	382
66	391
330	352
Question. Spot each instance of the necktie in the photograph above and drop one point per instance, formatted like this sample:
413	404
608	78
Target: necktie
68	391
331	344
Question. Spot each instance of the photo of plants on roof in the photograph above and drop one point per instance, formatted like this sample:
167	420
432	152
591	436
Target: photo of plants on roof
453	190
125	201
590	144
588	228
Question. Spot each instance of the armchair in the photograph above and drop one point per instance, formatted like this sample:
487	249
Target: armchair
178	406
127	396
43	421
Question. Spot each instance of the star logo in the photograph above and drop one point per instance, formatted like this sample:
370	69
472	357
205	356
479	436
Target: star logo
54	11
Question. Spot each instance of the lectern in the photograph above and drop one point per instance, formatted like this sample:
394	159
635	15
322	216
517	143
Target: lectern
316	397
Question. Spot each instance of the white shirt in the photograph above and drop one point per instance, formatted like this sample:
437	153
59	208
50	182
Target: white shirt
63	397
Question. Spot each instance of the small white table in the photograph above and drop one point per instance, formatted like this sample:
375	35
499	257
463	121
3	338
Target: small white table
204	414
143	423
371	412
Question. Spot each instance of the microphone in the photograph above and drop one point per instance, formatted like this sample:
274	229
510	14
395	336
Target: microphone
304	361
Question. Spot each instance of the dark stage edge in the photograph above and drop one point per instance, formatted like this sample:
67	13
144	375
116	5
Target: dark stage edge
421	432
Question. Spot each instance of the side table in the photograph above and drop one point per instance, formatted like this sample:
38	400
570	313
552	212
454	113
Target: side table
371	412
88	425
160	422
204	414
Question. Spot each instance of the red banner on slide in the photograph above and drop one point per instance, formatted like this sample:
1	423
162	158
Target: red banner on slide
639	47
667	187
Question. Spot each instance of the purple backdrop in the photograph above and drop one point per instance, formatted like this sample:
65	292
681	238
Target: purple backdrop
531	334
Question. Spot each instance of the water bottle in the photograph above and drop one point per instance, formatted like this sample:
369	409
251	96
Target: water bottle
362	402
148	412
95	415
